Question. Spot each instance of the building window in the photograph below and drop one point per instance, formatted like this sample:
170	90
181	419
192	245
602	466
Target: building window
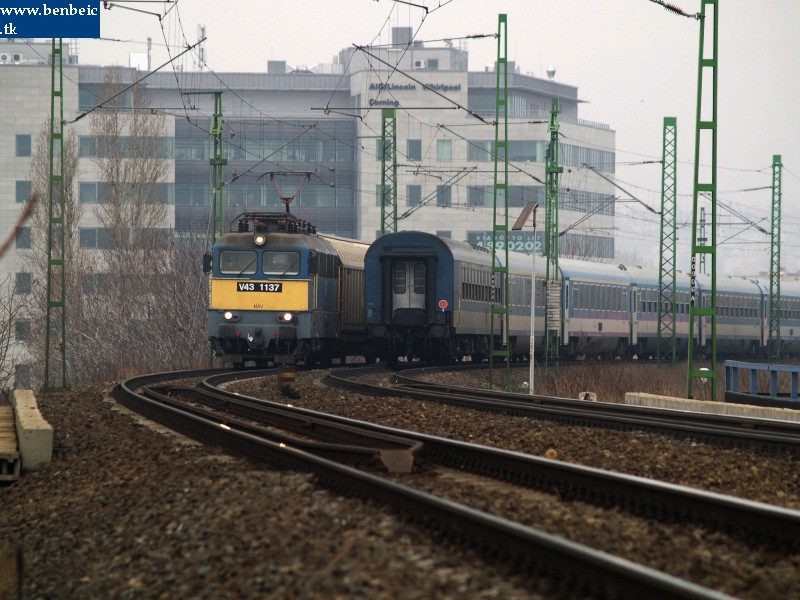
196	194
388	195
480	150
413	195
87	192
24	191
443	195
379	149
326	196
23	284
23	145
444	234
526	150
95	238
414	150
479	196
88	237
22	330
444	150
23	238
433	64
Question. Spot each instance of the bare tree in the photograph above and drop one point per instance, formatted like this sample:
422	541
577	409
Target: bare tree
132	158
35	260
11	320
152	294
136	302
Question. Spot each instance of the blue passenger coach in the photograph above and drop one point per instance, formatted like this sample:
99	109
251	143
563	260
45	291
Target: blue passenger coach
431	297
414	297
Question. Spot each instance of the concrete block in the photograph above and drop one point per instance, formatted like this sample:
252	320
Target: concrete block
34	434
721	408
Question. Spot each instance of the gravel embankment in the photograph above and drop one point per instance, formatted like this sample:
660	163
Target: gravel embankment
127	510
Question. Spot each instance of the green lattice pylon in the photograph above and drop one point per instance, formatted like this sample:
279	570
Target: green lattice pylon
217	162
667	289
499	293
56	327
703	309
553	171
389	170
775	263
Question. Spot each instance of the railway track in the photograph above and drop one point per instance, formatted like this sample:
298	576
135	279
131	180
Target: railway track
750	433
560	559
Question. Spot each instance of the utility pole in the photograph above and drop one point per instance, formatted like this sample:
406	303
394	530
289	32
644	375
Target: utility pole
553	171
56	328
666	278
389	170
705	187
775	263
499	291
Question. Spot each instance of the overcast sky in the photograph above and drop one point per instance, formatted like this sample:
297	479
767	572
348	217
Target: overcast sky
632	61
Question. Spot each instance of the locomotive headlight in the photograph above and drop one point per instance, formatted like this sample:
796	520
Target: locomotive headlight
230	316
286	317
259	239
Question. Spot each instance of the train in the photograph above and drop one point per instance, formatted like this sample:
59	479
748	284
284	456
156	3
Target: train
431	297
282	293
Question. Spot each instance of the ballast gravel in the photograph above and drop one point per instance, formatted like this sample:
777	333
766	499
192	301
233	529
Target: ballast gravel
129	510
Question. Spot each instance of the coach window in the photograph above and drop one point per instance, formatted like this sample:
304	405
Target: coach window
236	262
419	278
281	263
399	278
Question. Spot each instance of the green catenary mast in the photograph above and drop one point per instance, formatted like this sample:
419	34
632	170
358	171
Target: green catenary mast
706	188
56	328
667	300
553	172
389	170
775	263
499	283
217	162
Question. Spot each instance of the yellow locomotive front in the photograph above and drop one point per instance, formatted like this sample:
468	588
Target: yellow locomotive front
277	293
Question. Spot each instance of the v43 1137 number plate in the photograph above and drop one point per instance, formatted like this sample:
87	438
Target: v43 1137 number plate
258	286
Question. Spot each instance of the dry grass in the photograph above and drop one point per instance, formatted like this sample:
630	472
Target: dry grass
610	381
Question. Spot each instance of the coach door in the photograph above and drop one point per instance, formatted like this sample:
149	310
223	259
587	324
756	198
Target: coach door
408	291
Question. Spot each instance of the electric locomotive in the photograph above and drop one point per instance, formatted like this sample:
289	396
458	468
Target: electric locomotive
281	293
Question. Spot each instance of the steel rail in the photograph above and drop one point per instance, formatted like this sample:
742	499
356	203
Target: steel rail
395	454
577	568
776	437
714	420
739	517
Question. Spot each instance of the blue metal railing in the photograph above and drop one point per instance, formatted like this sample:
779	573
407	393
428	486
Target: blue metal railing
732	369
